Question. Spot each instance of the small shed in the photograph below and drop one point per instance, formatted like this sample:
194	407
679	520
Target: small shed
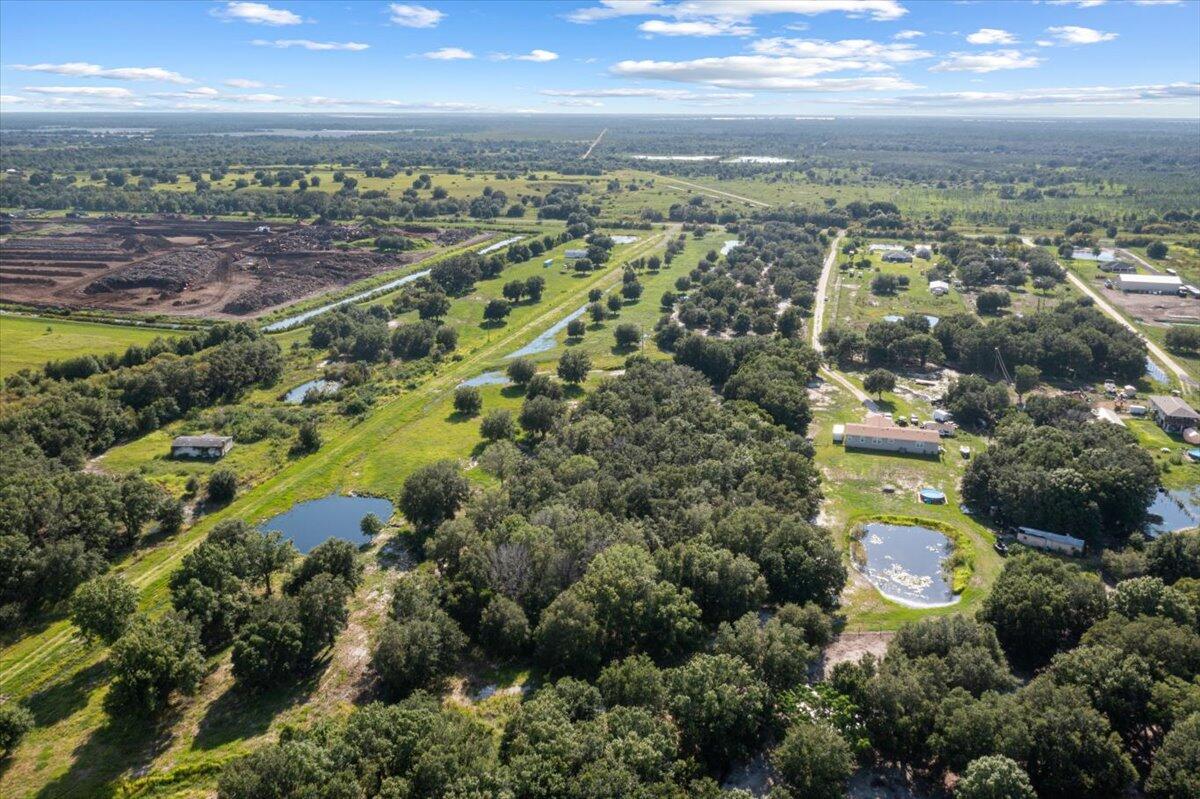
212	447
1052	542
548	262
839	433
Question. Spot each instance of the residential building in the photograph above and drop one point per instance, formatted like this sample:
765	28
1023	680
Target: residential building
1052	542
201	446
939	288
882	434
1173	414
897	257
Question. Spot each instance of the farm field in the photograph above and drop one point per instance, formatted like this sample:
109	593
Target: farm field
668	523
28	342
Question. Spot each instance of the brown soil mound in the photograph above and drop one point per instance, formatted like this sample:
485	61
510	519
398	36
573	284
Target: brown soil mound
171	272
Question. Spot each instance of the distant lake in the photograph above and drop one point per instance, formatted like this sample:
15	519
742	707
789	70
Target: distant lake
310	523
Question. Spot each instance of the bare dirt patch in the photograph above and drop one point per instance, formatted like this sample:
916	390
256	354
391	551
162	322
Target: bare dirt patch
192	267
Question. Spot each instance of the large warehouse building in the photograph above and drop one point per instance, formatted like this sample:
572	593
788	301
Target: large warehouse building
1149	284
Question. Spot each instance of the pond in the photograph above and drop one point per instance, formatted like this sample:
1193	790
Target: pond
548	339
335	516
1088	255
500	245
1173	510
933	320
301	318
487	379
1155	372
905	564
297	394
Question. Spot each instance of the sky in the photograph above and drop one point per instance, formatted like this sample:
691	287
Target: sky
1074	58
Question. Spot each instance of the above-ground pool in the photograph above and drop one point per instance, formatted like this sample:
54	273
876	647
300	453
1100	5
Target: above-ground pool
905	563
310	523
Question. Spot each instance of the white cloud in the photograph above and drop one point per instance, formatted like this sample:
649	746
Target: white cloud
309	44
244	83
411	16
854	49
449	54
1075	34
680	95
256	13
697	27
1157	2
768	73
1044	43
578	103
1077	3
101	92
879	10
1084	95
81	69
986	62
11	98
537	56
906	35
991	36
202	91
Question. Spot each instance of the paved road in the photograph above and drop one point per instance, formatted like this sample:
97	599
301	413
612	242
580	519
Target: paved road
670	181
593	147
818	318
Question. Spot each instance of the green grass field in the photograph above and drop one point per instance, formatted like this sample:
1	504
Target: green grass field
853	484
28	342
77	750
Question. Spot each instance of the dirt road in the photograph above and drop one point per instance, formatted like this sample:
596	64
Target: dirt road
818	317
1159	354
593	146
677	182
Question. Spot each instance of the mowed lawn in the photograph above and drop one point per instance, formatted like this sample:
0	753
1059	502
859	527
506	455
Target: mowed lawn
31	341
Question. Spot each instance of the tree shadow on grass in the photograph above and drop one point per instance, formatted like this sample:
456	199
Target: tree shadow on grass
458	417
512	391
66	697
122	743
239	713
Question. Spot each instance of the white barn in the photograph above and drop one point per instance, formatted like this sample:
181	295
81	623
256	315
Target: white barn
1149	284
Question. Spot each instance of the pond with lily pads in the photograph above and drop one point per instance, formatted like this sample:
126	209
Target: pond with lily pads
906	563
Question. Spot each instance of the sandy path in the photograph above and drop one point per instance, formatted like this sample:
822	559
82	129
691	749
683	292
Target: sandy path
697	186
593	145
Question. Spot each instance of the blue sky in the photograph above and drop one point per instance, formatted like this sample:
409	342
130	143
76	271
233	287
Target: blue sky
803	57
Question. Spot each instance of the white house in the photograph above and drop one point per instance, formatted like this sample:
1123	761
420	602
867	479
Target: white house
880	433
1053	542
201	446
1149	284
939	288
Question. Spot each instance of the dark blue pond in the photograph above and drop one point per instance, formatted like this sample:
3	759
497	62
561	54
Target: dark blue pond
335	516
905	564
